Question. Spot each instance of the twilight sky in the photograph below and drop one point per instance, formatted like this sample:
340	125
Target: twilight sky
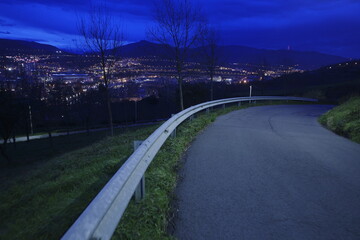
328	26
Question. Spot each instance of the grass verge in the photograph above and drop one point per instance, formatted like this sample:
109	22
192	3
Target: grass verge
344	119
45	202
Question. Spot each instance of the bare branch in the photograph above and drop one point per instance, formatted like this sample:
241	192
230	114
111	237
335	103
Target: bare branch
103	37
179	24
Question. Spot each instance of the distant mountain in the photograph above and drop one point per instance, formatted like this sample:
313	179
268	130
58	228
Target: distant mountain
305	60
12	47
143	49
228	54
240	54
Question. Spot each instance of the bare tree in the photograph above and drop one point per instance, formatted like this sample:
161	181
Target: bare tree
209	45
103	37
179	24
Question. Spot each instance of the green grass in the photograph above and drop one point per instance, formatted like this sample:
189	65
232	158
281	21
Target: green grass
44	202
344	119
43	149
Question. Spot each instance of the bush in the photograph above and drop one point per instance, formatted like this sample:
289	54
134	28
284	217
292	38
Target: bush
344	119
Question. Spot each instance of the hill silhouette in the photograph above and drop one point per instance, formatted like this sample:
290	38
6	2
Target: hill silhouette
228	54
14	47
239	54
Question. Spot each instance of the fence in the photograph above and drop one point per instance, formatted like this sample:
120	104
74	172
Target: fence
100	219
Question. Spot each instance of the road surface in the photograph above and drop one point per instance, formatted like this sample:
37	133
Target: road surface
270	172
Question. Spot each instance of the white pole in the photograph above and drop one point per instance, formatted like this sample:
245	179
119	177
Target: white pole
250	93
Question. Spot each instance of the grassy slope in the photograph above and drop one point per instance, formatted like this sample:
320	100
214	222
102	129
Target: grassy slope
47	201
344	119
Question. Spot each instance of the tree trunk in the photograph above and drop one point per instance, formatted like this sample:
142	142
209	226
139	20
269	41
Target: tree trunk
14	139
87	126
109	112
136	111
27	131
51	140
3	153
211	87
181	94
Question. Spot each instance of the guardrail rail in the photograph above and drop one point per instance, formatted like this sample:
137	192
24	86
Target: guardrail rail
100	219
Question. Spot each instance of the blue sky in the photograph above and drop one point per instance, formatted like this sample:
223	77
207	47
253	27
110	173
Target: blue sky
328	26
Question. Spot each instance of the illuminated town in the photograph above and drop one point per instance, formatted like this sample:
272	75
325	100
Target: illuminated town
133	78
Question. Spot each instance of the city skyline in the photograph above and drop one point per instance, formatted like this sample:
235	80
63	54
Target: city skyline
322	26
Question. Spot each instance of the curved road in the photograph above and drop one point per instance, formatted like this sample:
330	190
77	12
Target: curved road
270	172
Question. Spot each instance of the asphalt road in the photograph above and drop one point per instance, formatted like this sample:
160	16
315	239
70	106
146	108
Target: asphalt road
270	172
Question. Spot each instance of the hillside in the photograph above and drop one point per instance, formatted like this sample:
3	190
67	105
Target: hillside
306	60
331	83
12	47
239	54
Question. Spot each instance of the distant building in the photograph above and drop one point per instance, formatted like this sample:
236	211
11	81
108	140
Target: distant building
71	77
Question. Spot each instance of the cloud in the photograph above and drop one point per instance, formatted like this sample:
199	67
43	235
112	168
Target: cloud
7	32
4	23
321	25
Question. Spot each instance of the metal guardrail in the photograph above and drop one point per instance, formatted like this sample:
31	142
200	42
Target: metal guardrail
100	219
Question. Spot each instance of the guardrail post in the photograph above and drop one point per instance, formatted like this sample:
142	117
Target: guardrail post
140	189
223	106
191	117
173	134
239	104
207	110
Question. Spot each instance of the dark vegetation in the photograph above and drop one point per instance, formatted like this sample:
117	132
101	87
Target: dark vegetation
344	119
331	84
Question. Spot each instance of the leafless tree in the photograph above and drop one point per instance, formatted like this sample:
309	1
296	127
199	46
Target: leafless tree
103	37
178	24
209	42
